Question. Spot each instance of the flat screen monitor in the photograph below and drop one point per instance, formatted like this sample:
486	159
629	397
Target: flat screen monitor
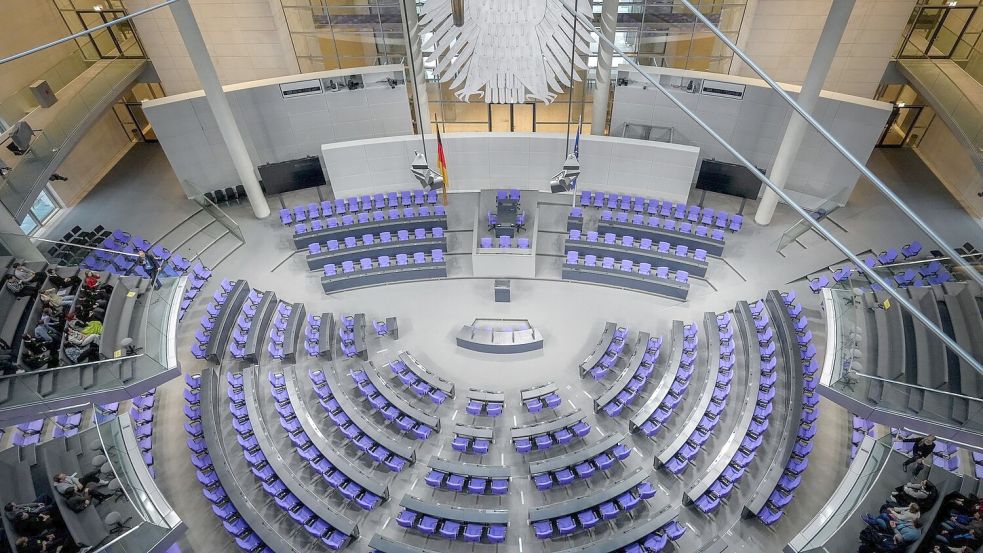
728	178
296	174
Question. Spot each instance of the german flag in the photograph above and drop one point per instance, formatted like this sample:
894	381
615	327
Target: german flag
442	166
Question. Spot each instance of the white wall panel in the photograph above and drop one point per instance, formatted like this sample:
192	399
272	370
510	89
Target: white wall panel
514	160
274	128
755	126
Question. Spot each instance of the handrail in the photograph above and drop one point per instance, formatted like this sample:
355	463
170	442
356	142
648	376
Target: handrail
85	32
822	231
973	273
99	362
907	385
978	256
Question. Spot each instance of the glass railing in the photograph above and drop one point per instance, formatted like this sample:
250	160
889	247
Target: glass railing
59	126
946	94
153	524
851	493
221	216
847	373
20	103
147	344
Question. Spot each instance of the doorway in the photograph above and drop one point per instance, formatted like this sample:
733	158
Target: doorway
512	117
129	111
934	32
899	126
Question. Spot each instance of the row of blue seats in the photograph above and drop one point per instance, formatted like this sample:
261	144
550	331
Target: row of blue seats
244	322
681	458
271	482
600	462
504	242
626	265
278	329
354	204
451	529
212	489
346	334
379	453
312	335
390	412
470	444
680	383
640	204
204	334
386	237
331	474
628	241
546	440
463	483
367	264
784	490
711	499
633	387
419	386
365	217
613	351
549	400
658	540
589	518
477	407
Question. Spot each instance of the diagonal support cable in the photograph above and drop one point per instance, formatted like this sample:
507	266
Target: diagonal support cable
949	342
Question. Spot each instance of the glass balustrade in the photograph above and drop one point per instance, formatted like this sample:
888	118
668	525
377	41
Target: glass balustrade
59	126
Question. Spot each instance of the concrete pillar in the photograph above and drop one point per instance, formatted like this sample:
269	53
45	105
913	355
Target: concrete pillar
599	112
14	241
822	58
414	62
219	104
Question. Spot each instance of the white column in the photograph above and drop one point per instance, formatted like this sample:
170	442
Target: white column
822	58
414	62
219	104
599	112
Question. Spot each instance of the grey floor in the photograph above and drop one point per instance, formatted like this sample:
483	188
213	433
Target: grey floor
142	195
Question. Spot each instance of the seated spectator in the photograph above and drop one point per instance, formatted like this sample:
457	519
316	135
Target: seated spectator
20	288
46	333
92	279
971	538
947	549
35	361
27	524
34	508
88	334
69	486
63	282
52	297
35	345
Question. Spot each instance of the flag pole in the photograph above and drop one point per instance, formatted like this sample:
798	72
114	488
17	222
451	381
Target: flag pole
441	164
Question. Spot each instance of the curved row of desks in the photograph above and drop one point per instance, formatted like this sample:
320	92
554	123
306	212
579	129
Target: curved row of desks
713	247
304	239
594	497
257	335
375	250
384	275
486	340
600	348
212	403
281	467
634	362
576	457
791	383
371	482
400	402
712	341
469	469
668	375
293	330
226	320
425	375
370	428
633	280
443	511
637	254
536	429
745	324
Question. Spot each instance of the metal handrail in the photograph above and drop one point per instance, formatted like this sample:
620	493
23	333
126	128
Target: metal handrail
977	257
907	385
972	272
83	246
61	367
822	231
